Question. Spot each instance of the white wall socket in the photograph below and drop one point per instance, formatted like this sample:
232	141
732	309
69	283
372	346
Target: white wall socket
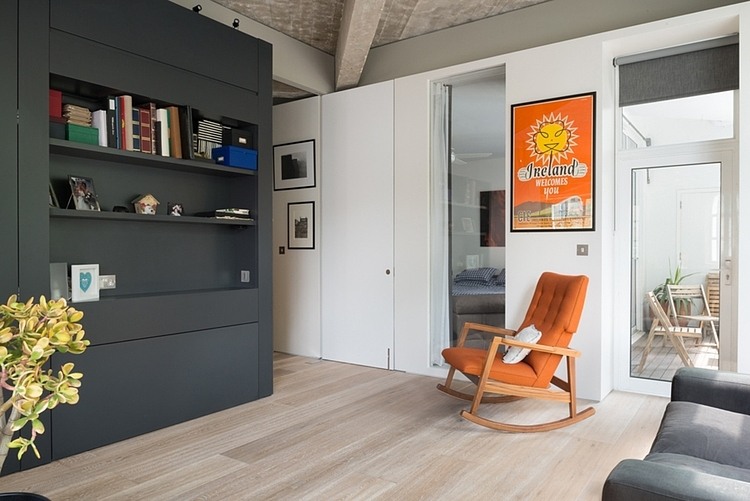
244	275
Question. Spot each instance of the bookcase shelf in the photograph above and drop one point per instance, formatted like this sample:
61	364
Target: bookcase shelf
93	152
141	218
188	287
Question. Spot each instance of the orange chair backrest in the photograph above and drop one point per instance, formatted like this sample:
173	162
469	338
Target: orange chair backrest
555	310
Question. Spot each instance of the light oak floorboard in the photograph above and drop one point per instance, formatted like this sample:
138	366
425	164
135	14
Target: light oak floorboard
339	431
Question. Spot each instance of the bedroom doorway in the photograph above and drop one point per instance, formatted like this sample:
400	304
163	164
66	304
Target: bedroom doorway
468	205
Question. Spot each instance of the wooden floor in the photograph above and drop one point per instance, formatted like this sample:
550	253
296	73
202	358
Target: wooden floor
663	361
339	431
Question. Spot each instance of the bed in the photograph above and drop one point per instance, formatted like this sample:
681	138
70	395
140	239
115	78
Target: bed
478	295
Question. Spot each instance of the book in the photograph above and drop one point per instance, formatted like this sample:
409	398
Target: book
175	136
186	132
148	126
112	122
126	122
136	128
162	124
99	121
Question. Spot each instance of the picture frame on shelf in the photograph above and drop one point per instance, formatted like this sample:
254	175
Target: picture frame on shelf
53	202
84	282
294	165
83	194
301	225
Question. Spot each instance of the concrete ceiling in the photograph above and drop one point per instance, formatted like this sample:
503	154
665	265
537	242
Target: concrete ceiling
347	29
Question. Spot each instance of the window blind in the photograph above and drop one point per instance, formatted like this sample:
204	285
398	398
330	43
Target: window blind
684	71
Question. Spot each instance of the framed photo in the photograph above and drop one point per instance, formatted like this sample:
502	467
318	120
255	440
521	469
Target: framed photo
84	282
83	194
294	165
301	225
552	158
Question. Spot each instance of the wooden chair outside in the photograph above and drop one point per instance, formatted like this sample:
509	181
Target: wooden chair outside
662	325
699	312
555	310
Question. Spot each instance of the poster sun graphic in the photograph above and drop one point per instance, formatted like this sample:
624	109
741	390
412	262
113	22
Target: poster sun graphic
552	156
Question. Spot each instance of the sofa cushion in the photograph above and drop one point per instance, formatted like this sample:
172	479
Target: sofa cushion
705	433
699	465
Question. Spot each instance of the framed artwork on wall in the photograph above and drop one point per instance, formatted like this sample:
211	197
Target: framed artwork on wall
294	165
552	159
301	225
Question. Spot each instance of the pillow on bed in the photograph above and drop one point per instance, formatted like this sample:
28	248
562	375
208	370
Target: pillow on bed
482	275
500	278
515	354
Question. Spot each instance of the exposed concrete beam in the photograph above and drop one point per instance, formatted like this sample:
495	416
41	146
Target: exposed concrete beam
358	26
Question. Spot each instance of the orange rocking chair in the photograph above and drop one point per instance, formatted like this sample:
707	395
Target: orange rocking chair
555	312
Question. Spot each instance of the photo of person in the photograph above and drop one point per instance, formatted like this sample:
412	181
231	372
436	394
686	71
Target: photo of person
83	193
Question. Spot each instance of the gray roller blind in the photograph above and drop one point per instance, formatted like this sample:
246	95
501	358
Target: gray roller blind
690	70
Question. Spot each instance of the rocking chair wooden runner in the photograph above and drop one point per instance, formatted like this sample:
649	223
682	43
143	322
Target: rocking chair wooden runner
555	310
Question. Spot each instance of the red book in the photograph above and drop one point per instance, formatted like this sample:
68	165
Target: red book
147	133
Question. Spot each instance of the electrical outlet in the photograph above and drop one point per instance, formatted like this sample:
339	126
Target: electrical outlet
244	275
107	281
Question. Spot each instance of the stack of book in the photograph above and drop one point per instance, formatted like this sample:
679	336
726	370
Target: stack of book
229	213
77	115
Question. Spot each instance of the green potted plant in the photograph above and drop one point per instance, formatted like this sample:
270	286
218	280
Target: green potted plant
30	333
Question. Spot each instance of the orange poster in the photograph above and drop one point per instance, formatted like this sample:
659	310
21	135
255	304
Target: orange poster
553	164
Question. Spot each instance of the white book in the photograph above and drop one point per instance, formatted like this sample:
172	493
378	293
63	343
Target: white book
162	116
99	120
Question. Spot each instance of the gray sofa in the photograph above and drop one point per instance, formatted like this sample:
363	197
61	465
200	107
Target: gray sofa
702	449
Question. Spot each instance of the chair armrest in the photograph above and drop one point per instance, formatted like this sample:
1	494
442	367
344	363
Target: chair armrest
724	390
489	329
648	481
540	347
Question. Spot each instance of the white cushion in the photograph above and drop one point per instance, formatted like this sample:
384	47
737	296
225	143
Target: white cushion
515	354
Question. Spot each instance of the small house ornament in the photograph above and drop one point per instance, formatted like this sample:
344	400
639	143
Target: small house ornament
146	204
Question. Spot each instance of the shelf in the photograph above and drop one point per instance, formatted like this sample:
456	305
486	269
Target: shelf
142	218
95	152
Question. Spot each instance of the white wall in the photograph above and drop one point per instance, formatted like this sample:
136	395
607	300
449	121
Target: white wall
296	273
564	68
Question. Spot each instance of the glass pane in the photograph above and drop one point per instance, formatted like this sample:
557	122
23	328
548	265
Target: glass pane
676	240
678	121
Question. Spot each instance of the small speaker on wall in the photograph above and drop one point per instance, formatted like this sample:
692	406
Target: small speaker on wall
58	281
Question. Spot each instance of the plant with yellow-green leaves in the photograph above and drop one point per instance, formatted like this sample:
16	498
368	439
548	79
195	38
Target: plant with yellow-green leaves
30	333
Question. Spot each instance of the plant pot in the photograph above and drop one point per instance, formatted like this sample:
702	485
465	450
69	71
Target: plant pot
22	496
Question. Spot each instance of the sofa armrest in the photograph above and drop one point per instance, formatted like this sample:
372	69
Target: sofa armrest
648	481
724	390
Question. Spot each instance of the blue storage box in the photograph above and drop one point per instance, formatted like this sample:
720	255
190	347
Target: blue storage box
234	156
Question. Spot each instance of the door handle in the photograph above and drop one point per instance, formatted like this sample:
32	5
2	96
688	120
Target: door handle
387	271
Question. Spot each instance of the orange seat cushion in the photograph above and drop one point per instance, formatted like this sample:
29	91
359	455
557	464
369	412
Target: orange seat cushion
471	361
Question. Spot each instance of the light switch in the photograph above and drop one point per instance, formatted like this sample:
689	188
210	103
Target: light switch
582	250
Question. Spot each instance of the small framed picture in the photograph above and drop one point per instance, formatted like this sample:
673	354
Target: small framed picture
294	165
174	209
84	282
53	197
83	194
301	225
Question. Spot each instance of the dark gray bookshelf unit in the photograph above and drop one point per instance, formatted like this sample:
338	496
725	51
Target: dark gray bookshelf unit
181	335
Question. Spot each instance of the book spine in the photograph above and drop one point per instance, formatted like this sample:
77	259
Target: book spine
146	133
112	122
99	121
136	128
126	122
175	141
162	119
186	130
